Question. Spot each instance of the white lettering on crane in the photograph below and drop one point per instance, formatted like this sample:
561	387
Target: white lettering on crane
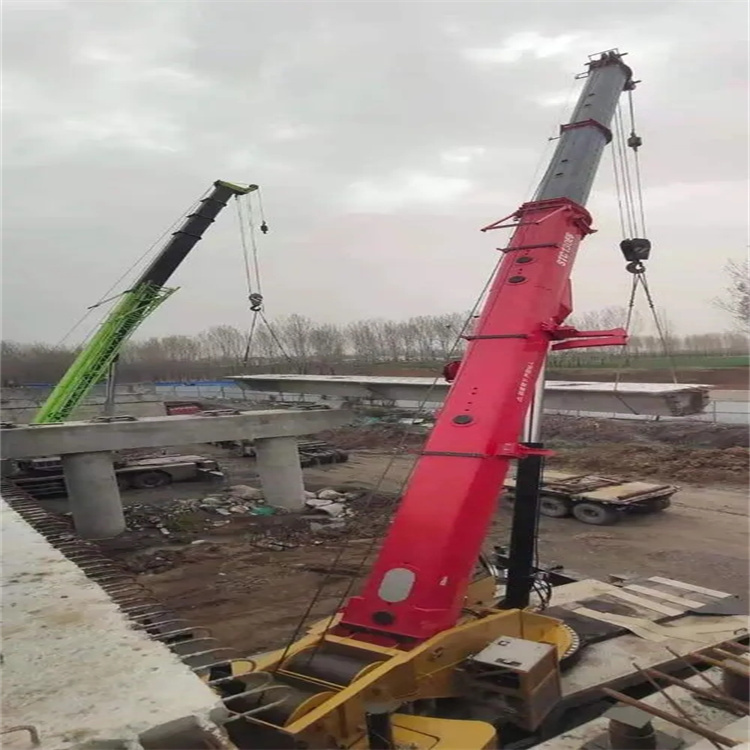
564	253
525	379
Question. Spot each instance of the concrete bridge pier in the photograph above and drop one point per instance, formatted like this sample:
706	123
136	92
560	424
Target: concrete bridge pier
278	465
93	495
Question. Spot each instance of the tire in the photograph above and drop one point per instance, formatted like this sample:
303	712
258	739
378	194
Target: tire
661	504
149	480
554	507
123	482
595	514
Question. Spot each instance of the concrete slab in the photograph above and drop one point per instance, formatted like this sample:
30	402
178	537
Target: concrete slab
655	399
151	432
73	667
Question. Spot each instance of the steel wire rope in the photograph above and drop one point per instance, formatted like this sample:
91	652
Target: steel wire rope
642	279
372	493
637	164
251	262
630	193
618	190
625	173
624	202
104	298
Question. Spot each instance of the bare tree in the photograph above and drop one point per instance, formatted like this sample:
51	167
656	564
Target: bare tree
294	331
226	343
736	299
327	344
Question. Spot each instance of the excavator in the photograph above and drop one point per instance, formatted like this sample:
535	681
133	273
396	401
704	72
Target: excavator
433	652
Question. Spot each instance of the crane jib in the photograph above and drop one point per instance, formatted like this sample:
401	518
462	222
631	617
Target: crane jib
418	583
135	305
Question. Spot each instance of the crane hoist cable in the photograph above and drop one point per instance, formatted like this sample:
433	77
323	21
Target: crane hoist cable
105	297
345	542
251	261
634	245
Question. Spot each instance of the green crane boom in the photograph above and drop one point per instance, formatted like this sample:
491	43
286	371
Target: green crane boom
148	292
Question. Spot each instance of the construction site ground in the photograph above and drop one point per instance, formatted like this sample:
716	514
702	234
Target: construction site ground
250	578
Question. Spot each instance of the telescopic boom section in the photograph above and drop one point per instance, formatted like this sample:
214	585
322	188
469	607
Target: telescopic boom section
135	305
418	583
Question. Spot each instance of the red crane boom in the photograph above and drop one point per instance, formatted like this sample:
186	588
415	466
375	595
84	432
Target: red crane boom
417	586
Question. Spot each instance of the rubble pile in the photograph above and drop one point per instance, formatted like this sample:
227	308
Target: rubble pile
326	513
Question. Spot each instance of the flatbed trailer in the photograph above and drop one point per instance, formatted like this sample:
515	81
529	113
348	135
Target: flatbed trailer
595	499
43	477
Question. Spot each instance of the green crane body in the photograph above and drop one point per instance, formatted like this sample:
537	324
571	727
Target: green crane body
94	361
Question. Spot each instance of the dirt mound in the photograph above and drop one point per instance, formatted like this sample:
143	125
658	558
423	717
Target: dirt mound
696	465
562	430
694	452
586	430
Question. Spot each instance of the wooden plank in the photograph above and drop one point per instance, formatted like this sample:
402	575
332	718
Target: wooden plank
686	603
647	603
690	587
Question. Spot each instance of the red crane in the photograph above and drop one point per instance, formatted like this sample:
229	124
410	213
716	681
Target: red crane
417	585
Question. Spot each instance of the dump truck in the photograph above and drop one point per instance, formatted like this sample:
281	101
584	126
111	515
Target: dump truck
43	477
595	499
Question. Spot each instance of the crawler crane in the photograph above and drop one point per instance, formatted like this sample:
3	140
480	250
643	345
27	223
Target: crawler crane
426	656
136	304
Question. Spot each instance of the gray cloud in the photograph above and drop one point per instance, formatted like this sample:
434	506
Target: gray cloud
383	134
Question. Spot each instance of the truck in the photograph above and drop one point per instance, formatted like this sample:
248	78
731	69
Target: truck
311	452
43	477
595	499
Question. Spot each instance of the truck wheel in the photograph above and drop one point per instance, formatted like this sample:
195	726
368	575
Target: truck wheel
149	480
554	507
595	514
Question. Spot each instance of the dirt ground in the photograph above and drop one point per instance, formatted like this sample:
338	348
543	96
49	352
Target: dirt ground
250	579
694	452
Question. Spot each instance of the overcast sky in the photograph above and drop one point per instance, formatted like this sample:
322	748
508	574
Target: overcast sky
383	134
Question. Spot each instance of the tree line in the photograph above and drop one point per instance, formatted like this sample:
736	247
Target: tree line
299	344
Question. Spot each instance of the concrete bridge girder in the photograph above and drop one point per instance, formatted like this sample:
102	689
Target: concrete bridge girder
86	447
653	399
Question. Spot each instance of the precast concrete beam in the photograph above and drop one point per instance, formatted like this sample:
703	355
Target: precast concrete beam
74	666
278	466
93	495
653	399
26	441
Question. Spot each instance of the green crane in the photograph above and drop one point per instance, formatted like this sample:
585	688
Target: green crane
136	304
